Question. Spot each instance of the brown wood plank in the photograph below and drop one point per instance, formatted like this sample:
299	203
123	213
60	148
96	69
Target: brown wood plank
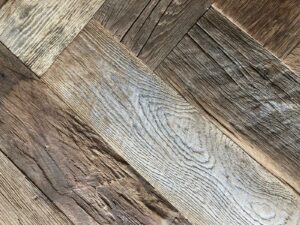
204	174
38	30
150	29
67	160
274	23
2	2
244	88
21	202
293	60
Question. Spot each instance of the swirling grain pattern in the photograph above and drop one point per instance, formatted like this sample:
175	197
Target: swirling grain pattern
189	160
71	165
243	87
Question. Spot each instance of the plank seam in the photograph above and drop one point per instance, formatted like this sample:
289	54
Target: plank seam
35	186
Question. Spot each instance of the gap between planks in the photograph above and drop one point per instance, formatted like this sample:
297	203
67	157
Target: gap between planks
163	137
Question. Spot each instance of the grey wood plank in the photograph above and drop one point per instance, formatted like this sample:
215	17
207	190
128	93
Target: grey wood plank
66	160
150	29
21	202
202	172
38	30
274	23
243	87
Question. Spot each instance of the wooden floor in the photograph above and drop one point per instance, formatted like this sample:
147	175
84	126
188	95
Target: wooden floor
147	112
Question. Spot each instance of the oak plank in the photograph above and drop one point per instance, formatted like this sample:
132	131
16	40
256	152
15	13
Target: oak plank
22	202
67	161
293	60
150	29
243	87
38	30
274	23
202	172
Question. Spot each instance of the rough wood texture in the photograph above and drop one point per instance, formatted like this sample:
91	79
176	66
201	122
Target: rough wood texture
38	30
242	86
67	160
21	202
195	166
293	60
274	23
150	29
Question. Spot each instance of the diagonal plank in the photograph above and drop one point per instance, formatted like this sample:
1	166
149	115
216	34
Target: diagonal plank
150	28
244	88
187	158
274	23
67	161
21	202
38	30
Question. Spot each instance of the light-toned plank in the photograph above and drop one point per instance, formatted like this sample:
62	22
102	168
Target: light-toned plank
293	60
274	23
21	202
38	30
67	161
194	165
247	90
151	29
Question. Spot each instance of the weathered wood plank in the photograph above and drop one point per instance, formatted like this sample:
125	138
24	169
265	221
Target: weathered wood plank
67	160
244	88
119	17
150	29
194	165
293	60
274	23
38	30
21	202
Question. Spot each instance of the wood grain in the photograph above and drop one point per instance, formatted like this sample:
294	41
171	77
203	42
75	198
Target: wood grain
196	167
21	202
151	29
293	60
38	30
274	23
67	161
244	88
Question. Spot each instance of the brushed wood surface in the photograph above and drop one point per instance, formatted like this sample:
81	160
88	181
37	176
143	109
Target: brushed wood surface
21	202
38	30
150	29
189	160
245	88
274	23
66	160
